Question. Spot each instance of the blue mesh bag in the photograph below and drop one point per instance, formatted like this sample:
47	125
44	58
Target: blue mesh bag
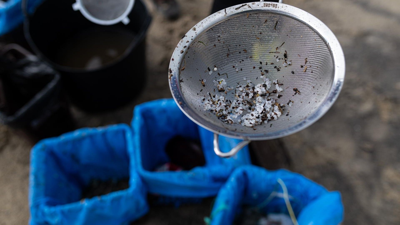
154	124
264	191
62	167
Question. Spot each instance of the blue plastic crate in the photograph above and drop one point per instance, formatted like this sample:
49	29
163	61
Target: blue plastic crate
259	189
154	124
62	167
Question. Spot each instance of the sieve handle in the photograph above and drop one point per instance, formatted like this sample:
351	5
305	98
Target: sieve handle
232	152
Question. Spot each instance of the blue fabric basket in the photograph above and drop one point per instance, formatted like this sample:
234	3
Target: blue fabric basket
154	124
62	167
11	14
258	188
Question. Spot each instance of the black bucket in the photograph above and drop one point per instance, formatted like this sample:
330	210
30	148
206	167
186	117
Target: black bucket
31	97
95	79
222	4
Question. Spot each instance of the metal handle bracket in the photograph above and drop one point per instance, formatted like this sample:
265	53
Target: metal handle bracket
231	152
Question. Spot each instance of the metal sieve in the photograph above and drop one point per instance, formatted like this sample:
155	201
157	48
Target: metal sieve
105	12
241	42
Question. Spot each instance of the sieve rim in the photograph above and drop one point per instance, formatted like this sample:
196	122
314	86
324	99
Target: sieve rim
278	8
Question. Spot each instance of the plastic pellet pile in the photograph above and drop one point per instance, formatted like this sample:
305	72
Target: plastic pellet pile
252	105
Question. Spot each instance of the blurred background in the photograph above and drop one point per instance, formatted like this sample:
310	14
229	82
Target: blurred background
354	148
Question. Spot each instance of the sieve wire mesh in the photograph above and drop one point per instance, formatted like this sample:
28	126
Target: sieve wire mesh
240	46
106	9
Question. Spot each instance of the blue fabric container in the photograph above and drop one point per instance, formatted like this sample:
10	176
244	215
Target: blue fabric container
258	188
62	167
11	14
154	124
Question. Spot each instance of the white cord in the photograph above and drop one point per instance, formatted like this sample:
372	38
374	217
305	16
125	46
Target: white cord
288	205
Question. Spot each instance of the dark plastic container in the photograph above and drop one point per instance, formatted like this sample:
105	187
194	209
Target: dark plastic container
54	23
31	97
222	4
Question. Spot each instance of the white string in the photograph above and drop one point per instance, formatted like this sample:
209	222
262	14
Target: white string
288	205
